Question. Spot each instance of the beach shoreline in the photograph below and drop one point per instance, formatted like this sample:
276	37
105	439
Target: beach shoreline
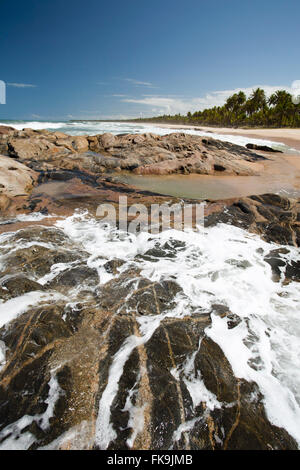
288	136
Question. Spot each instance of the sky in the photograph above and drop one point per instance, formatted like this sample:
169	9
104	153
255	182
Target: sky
93	59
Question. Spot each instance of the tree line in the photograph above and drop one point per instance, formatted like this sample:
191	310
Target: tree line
279	110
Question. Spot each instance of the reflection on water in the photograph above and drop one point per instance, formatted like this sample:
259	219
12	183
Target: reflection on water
215	187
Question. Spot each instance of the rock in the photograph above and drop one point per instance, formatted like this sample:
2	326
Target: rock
5	203
246	425
273	217
143	154
93	143
37	260
276	262
282	267
264	148
107	140
15	178
13	286
6	130
82	276
43	252
112	267
80	144
168	250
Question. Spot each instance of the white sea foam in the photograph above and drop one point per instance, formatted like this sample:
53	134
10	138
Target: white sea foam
184	428
13	308
2	354
136	416
36	125
225	266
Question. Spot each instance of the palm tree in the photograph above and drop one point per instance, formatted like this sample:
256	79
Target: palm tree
283	107
256	101
235	103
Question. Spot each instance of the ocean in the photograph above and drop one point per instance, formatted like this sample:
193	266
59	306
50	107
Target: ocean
115	127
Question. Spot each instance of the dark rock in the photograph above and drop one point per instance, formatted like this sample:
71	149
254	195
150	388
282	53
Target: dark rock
37	260
263	148
293	271
168	250
113	265
82	276
13	286
216	371
276	262
219	168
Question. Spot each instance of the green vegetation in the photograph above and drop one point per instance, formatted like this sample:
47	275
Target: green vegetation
257	111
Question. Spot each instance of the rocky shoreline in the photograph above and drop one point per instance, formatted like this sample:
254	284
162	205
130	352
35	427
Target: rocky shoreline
64	335
90	161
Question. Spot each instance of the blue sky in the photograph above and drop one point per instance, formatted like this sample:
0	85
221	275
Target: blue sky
65	59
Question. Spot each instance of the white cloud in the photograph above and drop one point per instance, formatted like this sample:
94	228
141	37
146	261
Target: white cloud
139	83
296	91
21	85
118	95
172	105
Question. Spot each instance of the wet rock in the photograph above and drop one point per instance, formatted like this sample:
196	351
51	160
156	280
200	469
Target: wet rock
273	201
112	266
277	233
37	260
152	299
264	148
78	352
276	262
293	271
168	250
272	216
171	406
13	286
242	425
81	276
138	295
216	371
220	309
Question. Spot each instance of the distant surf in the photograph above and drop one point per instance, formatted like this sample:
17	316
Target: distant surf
115	127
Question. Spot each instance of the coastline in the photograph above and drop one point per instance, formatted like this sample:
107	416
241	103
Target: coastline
175	165
288	136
